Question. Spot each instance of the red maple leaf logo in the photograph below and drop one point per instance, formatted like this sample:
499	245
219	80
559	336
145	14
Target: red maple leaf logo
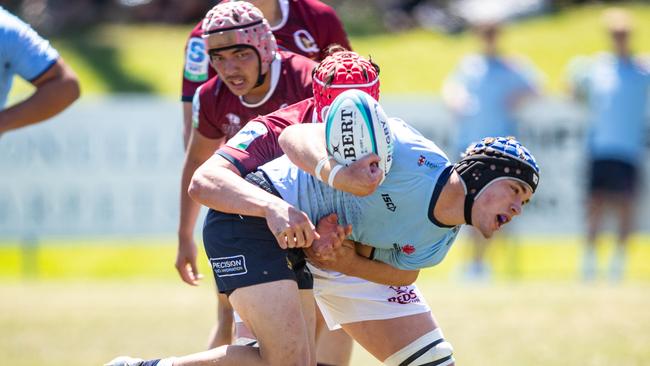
408	249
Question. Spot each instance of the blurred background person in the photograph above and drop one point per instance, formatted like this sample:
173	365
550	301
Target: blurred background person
26	54
483	94
614	87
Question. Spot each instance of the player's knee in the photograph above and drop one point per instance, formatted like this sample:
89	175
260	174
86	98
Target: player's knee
293	354
430	349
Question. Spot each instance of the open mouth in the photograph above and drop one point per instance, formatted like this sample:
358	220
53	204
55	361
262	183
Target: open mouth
502	220
236	81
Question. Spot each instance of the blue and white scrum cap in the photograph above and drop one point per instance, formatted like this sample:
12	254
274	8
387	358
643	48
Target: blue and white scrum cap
493	158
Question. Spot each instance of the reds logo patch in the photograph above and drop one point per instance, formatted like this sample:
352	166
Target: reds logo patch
404	295
234	125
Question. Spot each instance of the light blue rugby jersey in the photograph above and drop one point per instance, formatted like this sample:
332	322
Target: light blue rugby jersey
492	83
22	52
617	91
396	219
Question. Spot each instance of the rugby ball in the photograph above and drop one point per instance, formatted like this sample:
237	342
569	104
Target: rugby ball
356	125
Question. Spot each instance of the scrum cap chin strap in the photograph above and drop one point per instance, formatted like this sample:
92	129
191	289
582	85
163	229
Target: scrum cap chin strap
477	171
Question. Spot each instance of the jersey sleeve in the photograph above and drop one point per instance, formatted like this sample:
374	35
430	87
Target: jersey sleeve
201	120
196	64
253	146
31	55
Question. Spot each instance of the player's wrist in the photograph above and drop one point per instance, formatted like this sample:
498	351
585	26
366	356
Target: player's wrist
327	169
185	236
324	168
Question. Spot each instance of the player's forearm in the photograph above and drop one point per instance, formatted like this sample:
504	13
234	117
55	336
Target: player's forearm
224	190
189	210
187	123
304	145
50	98
380	272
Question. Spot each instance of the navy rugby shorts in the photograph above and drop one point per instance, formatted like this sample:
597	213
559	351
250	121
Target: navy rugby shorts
613	176
243	251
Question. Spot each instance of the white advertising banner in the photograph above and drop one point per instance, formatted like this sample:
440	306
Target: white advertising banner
112	166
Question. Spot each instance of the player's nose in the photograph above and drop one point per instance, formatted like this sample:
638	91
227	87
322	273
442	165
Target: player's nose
515	208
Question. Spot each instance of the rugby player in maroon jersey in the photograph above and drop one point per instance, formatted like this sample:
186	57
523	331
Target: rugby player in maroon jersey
297	26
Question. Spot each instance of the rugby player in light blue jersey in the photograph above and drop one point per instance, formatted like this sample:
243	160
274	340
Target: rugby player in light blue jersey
24	53
486	89
483	94
615	88
488	188
409	219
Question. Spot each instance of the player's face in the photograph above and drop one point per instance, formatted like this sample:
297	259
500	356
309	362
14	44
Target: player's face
237	67
501	201
620	39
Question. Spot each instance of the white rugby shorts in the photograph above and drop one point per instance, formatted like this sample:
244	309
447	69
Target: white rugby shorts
345	299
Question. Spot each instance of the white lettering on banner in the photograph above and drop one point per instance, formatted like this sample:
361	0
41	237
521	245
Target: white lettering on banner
112	166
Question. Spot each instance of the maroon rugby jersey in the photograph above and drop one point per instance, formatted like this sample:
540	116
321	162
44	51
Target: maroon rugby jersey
308	27
257	143
217	112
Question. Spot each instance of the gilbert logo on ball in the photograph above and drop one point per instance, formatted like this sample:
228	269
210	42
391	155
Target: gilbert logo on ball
355	126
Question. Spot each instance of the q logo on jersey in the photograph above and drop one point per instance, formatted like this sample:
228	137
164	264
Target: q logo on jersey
305	41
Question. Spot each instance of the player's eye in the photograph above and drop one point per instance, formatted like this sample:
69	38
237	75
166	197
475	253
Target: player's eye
515	189
243	54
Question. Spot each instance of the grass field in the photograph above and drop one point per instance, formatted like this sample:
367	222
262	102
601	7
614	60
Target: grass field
83	302
77	323
148	58
533	258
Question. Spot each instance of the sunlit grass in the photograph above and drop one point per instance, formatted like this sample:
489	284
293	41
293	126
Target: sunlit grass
517	258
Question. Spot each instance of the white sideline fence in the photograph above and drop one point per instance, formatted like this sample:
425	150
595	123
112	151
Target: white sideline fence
112	166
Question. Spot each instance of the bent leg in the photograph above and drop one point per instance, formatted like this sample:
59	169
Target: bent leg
383	338
222	332
268	310
333	347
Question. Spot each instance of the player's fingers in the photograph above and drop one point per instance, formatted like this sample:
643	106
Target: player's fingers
348	230
339	236
282	239
332	218
370	159
300	239
185	275
196	276
309	238
312	230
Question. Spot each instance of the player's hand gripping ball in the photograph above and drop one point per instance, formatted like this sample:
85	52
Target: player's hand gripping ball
355	126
